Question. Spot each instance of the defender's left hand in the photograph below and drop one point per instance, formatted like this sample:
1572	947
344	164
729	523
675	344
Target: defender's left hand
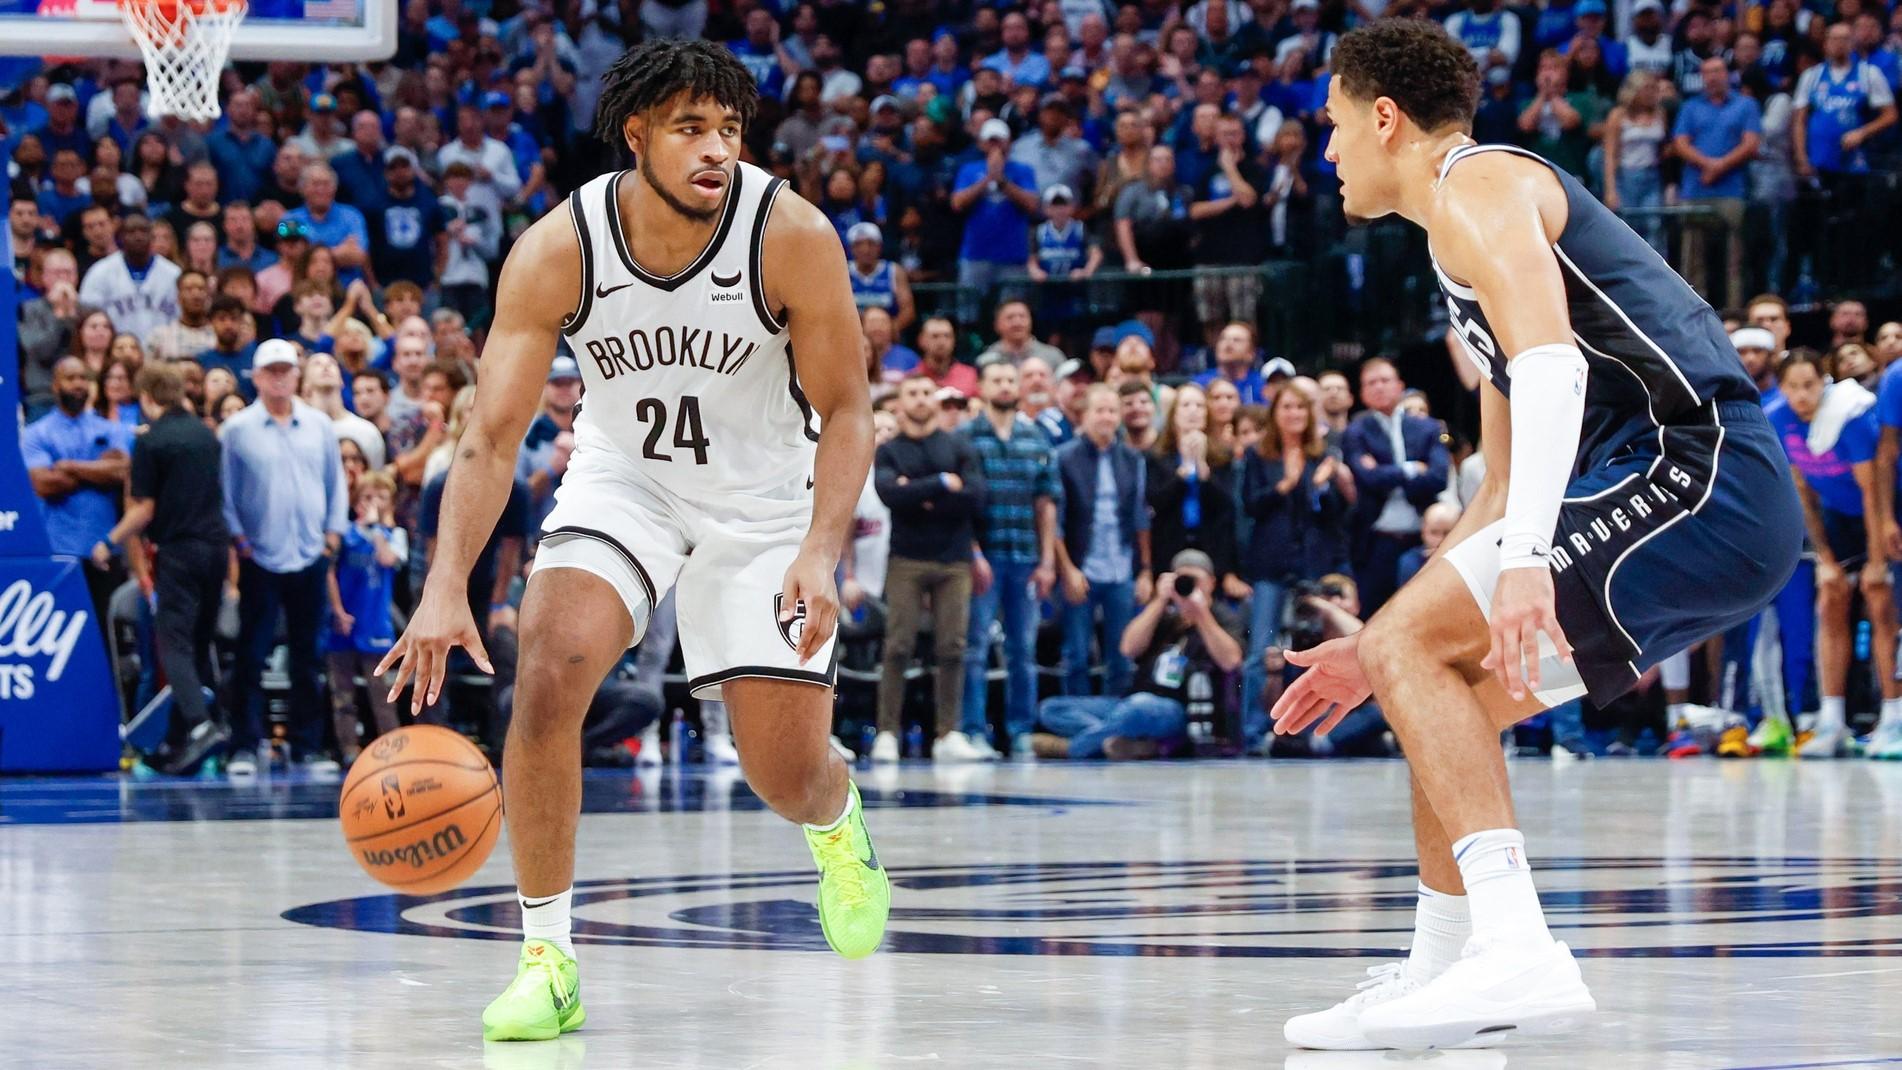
1523	606
809	580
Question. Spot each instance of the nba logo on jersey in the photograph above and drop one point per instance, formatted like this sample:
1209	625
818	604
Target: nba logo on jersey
790	630
1512	859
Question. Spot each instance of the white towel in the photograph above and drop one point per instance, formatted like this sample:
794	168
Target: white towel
1842	402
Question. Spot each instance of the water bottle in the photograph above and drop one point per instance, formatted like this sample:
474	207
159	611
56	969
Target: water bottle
868	735
915	742
677	739
1862	640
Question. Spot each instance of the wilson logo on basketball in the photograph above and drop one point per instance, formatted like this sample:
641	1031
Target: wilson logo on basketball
389	746
441	845
789	630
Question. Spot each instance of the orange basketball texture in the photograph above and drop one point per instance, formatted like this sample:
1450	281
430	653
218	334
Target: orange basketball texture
421	809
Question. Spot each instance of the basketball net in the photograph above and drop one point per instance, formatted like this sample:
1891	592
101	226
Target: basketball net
184	44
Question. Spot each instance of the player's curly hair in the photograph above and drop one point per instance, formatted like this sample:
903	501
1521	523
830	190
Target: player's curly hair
649	74
1416	65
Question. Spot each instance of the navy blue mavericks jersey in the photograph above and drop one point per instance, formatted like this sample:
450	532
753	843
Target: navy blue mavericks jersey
1657	354
1060	252
877	290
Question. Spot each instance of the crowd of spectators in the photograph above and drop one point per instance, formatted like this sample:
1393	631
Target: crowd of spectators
1085	468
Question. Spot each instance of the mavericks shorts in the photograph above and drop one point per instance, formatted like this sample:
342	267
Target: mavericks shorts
1668	538
727	556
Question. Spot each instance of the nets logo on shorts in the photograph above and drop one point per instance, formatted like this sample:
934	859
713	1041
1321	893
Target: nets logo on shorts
790	630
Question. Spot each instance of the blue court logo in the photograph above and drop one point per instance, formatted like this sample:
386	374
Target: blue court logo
1605	907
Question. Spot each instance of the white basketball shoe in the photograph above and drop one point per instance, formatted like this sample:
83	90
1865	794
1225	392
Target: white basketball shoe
1496	989
1338	1027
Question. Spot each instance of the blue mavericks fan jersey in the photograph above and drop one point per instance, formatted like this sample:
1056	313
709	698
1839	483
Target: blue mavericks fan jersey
877	290
1658	355
1060	252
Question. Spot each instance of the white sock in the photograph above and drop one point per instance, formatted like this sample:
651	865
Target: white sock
1832	717
546	918
1499	889
843	814
1891	714
1441	926
1675	712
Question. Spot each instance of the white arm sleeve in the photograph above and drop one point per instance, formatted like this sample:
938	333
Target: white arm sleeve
1548	407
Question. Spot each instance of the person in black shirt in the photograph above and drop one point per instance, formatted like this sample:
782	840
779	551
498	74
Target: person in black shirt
1231	228
1182	633
177	501
934	487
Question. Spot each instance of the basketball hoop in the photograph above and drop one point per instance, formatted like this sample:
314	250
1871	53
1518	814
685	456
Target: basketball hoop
185	43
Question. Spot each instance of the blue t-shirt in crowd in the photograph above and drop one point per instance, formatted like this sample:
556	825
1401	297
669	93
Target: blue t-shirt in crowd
1716	129
1832	475
1251	387
238	364
60	207
339	225
763	63
78	521
244	164
1060	252
996	230
365	588
1033	69
900	358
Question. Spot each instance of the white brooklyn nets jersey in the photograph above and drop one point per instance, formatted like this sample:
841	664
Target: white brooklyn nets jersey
690	379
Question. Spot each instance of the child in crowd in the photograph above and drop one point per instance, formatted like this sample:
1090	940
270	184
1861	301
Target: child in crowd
360	596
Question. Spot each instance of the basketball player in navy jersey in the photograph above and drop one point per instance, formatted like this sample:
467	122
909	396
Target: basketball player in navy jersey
710	313
1635	502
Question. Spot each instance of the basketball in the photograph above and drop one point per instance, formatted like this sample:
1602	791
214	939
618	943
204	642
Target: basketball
421	809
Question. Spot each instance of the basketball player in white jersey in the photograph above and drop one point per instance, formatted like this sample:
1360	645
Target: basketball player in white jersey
720	447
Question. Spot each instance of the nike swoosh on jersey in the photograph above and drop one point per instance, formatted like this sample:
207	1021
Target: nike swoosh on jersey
602	291
729	281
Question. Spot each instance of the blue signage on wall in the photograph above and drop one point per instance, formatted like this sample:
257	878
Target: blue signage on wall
59	707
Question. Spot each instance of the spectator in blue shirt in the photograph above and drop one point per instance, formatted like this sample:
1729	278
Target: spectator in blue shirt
337	227
60	200
62	129
242	153
1590	22
998	199
1716	136
759	51
1236	362
360	171
1016	60
77	461
1105	542
287	507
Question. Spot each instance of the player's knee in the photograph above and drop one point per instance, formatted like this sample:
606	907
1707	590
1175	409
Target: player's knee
1385	650
790	789
1832	597
550	696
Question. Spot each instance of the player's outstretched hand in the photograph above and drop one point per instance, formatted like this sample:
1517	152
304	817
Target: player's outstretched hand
1523	606
809	587
1332	687
442	620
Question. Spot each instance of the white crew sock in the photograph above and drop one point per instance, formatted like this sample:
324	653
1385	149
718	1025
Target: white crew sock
1832	717
1441	926
1891	714
546	918
843	814
1499	890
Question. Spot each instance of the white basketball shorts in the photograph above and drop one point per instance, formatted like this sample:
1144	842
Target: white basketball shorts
728	558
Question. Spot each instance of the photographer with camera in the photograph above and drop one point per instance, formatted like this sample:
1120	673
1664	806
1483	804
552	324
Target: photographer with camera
1317	612
1181	632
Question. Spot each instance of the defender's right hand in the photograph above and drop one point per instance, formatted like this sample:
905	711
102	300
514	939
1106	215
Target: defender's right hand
421	654
1334	682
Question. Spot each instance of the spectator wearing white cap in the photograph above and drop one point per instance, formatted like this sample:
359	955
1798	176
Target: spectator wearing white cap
1061	248
1648	47
1054	155
876	281
286	506
1756	347
997	197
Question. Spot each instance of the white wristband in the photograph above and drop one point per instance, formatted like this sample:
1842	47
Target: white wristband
1548	407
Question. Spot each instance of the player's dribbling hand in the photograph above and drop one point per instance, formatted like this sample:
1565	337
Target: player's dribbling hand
1333	686
1523	606
809	581
442	620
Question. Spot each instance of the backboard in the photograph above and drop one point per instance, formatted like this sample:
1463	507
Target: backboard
314	31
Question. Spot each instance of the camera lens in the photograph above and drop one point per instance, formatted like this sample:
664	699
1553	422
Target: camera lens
1185	585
